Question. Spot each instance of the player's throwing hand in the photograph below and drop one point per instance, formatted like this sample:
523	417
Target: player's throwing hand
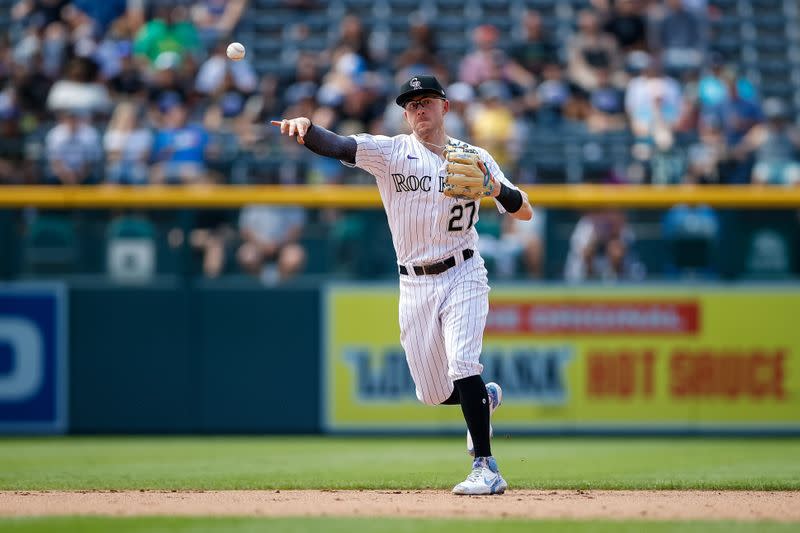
291	126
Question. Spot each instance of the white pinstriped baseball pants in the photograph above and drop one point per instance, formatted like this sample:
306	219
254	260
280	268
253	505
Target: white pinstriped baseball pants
442	318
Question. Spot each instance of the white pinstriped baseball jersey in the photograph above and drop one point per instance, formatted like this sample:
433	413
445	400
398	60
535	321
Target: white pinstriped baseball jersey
442	316
426	225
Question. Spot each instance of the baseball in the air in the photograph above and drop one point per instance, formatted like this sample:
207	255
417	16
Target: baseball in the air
235	51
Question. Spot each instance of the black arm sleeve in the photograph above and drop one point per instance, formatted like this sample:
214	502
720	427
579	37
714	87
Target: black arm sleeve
510	199
324	142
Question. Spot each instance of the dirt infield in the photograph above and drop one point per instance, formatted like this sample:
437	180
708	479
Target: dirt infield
650	505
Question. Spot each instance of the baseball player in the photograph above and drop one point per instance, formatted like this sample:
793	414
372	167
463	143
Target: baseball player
431	186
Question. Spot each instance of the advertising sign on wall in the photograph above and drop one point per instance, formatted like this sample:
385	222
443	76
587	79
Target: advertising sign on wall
585	360
33	358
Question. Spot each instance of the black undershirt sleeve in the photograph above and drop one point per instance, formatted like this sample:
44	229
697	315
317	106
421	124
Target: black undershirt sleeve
329	144
510	198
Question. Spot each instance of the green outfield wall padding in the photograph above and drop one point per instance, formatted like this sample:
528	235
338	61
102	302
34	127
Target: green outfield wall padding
183	359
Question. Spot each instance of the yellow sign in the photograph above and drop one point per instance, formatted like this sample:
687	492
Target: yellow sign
681	358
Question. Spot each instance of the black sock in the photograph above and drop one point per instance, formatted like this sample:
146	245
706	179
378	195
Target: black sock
475	406
454	399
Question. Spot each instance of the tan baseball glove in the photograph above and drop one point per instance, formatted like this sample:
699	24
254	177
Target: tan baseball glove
466	176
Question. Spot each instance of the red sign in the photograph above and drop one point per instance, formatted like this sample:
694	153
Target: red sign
594	318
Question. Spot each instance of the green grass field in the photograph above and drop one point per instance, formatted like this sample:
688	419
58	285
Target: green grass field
74	463
399	463
348	525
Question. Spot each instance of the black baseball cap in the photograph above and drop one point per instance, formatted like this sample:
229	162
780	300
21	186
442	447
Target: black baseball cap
419	86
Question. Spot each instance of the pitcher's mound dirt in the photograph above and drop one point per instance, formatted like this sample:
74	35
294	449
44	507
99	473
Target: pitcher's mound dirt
649	505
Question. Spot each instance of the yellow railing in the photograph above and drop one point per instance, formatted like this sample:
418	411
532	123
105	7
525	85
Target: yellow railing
567	196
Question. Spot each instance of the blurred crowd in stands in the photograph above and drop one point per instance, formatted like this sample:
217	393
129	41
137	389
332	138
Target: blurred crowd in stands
140	91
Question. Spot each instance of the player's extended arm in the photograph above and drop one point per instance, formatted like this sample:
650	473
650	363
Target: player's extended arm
318	139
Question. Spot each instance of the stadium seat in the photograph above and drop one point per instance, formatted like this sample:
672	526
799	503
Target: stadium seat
768	256
50	246
131	250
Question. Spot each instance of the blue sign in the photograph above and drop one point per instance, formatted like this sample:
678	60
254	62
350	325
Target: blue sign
33	358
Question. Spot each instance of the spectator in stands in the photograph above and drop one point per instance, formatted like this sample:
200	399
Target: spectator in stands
739	113
28	46
601	248
302	98
591	50
485	63
416	61
95	15
307	68
80	88
116	44
714	89
518	249
167	83
711	88
50	42
707	158
38	12
230	97
295	34
421	55
704	158
127	146
775	144
169	31
626	23
216	19
422	36
606	105
653	101
457	121
179	148
551	97
348	70
353	38
529	56
72	150
221	121
730	100
357	111
211	236
270	249
6	57
493	125
691	231
213	72
500	256
129	81
12	146
325	170
259	109
679	37
32	87
530	237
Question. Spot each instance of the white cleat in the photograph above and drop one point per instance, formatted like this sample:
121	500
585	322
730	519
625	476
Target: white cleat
495	399
485	479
